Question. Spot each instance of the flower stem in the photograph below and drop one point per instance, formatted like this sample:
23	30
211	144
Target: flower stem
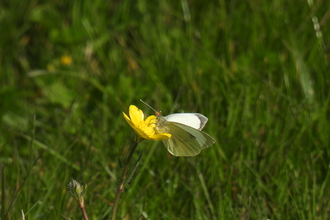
83	211
121	184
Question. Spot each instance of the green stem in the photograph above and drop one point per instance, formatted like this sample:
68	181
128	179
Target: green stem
120	187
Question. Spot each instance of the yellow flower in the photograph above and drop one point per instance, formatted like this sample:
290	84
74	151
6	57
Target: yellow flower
66	60
145	129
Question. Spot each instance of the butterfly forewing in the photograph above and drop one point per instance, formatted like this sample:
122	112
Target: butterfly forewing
194	120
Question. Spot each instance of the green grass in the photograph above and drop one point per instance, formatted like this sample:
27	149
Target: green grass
259	70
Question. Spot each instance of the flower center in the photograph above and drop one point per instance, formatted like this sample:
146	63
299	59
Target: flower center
148	129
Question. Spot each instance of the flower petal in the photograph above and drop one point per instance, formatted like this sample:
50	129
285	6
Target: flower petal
160	137
129	121
135	114
151	120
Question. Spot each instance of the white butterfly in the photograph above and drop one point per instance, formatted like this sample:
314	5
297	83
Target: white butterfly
187	138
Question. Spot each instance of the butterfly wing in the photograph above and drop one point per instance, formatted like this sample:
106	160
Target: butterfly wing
194	120
185	140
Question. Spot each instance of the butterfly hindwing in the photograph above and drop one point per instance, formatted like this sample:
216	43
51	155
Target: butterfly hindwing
185	140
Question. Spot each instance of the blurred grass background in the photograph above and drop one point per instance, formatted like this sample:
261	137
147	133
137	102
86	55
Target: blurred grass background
259	70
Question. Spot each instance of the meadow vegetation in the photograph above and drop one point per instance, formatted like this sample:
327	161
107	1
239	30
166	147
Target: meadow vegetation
259	70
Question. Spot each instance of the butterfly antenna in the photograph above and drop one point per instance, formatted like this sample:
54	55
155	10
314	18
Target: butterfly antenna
157	112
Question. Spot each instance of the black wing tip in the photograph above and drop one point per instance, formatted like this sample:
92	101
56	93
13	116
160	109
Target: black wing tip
203	120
